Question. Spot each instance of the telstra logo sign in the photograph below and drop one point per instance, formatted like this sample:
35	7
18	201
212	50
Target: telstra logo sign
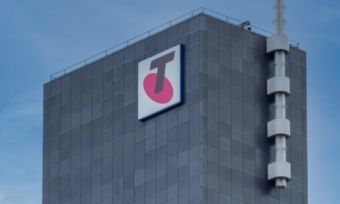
159	82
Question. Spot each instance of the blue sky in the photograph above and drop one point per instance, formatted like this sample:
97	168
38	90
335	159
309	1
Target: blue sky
40	37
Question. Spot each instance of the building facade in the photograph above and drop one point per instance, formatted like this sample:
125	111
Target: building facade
212	147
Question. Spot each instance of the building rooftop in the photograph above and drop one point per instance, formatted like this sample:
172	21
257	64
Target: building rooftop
199	11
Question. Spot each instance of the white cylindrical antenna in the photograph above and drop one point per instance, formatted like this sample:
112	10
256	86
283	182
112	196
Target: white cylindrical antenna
279	87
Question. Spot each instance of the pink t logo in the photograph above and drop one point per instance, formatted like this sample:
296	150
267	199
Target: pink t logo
157	86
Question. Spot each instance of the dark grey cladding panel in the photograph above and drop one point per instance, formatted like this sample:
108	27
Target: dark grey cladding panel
211	149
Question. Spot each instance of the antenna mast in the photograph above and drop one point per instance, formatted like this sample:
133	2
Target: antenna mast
280	15
278	86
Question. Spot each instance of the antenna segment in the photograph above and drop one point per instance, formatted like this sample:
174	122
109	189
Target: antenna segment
280	21
279	87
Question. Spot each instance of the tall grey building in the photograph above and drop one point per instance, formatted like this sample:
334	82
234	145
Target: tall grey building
103	144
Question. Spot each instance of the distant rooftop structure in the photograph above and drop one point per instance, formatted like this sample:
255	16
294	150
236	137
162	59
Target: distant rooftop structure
245	24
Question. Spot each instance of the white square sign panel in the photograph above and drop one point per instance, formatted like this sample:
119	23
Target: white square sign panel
159	82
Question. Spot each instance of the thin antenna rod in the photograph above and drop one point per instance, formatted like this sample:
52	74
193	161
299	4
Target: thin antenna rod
280	21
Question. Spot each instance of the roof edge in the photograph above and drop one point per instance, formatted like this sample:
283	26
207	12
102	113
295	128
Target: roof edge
155	30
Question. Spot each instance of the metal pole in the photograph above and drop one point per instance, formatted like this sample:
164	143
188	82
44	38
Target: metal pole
278	44
280	17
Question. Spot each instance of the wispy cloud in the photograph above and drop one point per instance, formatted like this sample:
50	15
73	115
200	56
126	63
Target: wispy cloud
20	150
20	193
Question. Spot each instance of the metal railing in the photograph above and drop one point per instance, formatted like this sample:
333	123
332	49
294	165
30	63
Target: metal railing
155	30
